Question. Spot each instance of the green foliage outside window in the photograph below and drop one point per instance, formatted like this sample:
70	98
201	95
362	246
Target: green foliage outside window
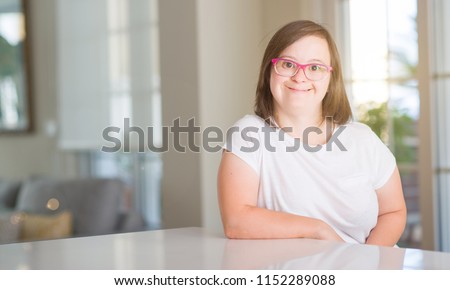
394	126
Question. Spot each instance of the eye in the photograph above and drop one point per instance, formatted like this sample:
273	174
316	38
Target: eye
287	64
316	68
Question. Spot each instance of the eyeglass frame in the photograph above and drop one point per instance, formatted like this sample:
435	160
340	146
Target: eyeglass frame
299	66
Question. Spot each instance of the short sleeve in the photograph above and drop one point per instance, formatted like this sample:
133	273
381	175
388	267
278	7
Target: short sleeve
243	139
383	161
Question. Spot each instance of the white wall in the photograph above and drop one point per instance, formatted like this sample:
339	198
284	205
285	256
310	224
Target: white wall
230	35
181	189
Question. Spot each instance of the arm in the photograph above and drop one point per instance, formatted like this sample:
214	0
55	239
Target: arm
238	192
391	215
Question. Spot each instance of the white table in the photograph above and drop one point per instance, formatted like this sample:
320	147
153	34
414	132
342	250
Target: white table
195	248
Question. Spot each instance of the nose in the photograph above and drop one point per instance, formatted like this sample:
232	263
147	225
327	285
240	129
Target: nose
300	76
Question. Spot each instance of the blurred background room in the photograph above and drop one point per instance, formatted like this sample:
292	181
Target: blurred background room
71	70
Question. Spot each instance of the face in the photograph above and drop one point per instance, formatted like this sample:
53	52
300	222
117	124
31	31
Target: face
294	95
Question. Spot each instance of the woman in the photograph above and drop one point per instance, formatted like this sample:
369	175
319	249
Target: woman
301	168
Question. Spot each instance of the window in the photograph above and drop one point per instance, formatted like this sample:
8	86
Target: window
382	85
108	69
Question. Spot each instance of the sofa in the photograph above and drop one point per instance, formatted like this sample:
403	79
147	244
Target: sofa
46	208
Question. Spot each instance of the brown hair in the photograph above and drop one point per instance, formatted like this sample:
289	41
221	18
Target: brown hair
335	103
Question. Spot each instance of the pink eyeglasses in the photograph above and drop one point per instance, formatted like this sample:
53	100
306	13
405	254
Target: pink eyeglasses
289	68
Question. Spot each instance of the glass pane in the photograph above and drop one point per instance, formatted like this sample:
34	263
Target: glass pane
368	42
441	40
370	102
402	38
404	113
141	172
412	236
443	204
442	95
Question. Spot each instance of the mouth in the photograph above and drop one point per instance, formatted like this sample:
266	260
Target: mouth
299	90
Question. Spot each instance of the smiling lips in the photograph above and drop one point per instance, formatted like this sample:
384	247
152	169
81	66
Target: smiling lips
299	90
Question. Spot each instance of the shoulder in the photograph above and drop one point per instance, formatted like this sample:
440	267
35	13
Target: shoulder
249	126
364	138
250	121
359	135
357	129
242	139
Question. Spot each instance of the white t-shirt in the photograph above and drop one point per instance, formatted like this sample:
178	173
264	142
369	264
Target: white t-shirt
335	184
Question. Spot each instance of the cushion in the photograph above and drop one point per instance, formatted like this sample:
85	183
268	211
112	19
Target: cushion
8	193
9	228
45	227
94	203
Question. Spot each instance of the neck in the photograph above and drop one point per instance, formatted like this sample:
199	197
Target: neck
299	123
